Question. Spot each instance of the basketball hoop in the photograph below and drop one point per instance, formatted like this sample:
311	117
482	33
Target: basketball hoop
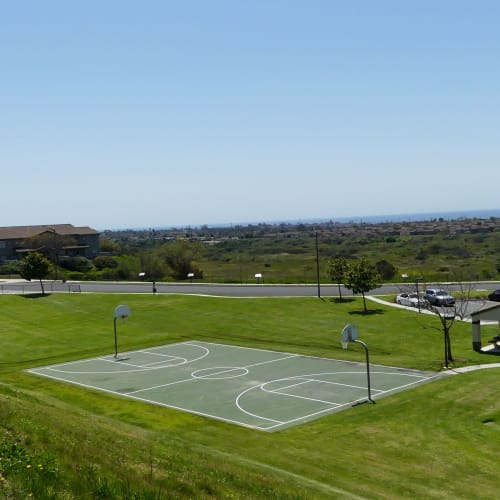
349	334
122	312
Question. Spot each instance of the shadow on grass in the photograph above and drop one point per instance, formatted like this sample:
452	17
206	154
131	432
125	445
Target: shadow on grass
38	295
343	300
369	312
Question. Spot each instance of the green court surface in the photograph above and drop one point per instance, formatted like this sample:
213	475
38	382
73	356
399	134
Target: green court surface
260	389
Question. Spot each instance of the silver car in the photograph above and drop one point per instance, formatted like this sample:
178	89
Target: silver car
409	299
437	297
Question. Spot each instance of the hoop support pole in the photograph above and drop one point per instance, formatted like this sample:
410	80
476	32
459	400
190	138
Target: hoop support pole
116	341
367	369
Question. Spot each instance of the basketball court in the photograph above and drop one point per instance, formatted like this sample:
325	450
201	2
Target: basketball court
255	388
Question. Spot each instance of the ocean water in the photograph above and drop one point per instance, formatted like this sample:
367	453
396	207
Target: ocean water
423	216
368	219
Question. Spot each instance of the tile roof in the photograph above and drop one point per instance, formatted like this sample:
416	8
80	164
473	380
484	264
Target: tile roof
22	232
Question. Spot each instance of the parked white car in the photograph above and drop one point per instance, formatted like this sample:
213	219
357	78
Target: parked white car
409	299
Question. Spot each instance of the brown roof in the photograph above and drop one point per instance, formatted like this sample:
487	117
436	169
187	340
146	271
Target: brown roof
22	232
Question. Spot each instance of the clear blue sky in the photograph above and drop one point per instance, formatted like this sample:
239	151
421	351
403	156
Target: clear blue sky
150	113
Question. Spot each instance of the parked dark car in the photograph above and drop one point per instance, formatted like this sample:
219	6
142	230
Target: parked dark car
494	296
437	297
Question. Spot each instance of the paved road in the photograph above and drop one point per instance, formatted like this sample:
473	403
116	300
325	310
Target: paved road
261	290
223	290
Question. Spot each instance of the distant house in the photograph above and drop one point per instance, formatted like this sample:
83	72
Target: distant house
13	240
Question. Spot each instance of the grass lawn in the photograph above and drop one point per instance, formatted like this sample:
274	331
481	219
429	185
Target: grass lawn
440	440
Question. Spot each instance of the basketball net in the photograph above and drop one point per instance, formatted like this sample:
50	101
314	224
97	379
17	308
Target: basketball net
344	345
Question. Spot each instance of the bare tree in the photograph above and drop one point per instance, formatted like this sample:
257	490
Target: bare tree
464	298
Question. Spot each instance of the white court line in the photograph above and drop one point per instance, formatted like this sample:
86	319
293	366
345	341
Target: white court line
222	370
274	423
237	403
166	362
191	379
150	401
308	380
158	354
110	359
309	416
147	366
279	391
271	361
331	404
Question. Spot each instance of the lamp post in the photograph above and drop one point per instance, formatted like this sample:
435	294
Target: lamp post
317	266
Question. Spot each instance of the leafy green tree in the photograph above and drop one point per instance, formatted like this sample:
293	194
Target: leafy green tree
152	265
128	267
361	277
336	270
386	270
50	244
109	246
181	256
35	266
105	261
77	263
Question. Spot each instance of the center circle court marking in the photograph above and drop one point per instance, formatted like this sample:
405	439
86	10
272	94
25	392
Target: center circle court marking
220	373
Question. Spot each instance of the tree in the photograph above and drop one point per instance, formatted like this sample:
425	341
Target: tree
109	246
464	297
337	268
361	277
386	270
35	266
152	265
446	316
50	244
181	257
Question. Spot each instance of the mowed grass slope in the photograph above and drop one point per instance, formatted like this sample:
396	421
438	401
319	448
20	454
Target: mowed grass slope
440	440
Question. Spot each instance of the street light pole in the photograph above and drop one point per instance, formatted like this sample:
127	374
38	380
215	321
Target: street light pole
317	266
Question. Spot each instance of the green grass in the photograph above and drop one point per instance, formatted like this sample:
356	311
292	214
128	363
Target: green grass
440	440
291	258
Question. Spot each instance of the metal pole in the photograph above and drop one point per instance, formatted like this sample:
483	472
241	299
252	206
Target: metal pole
367	369
418	296
116	342
317	265
445	344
